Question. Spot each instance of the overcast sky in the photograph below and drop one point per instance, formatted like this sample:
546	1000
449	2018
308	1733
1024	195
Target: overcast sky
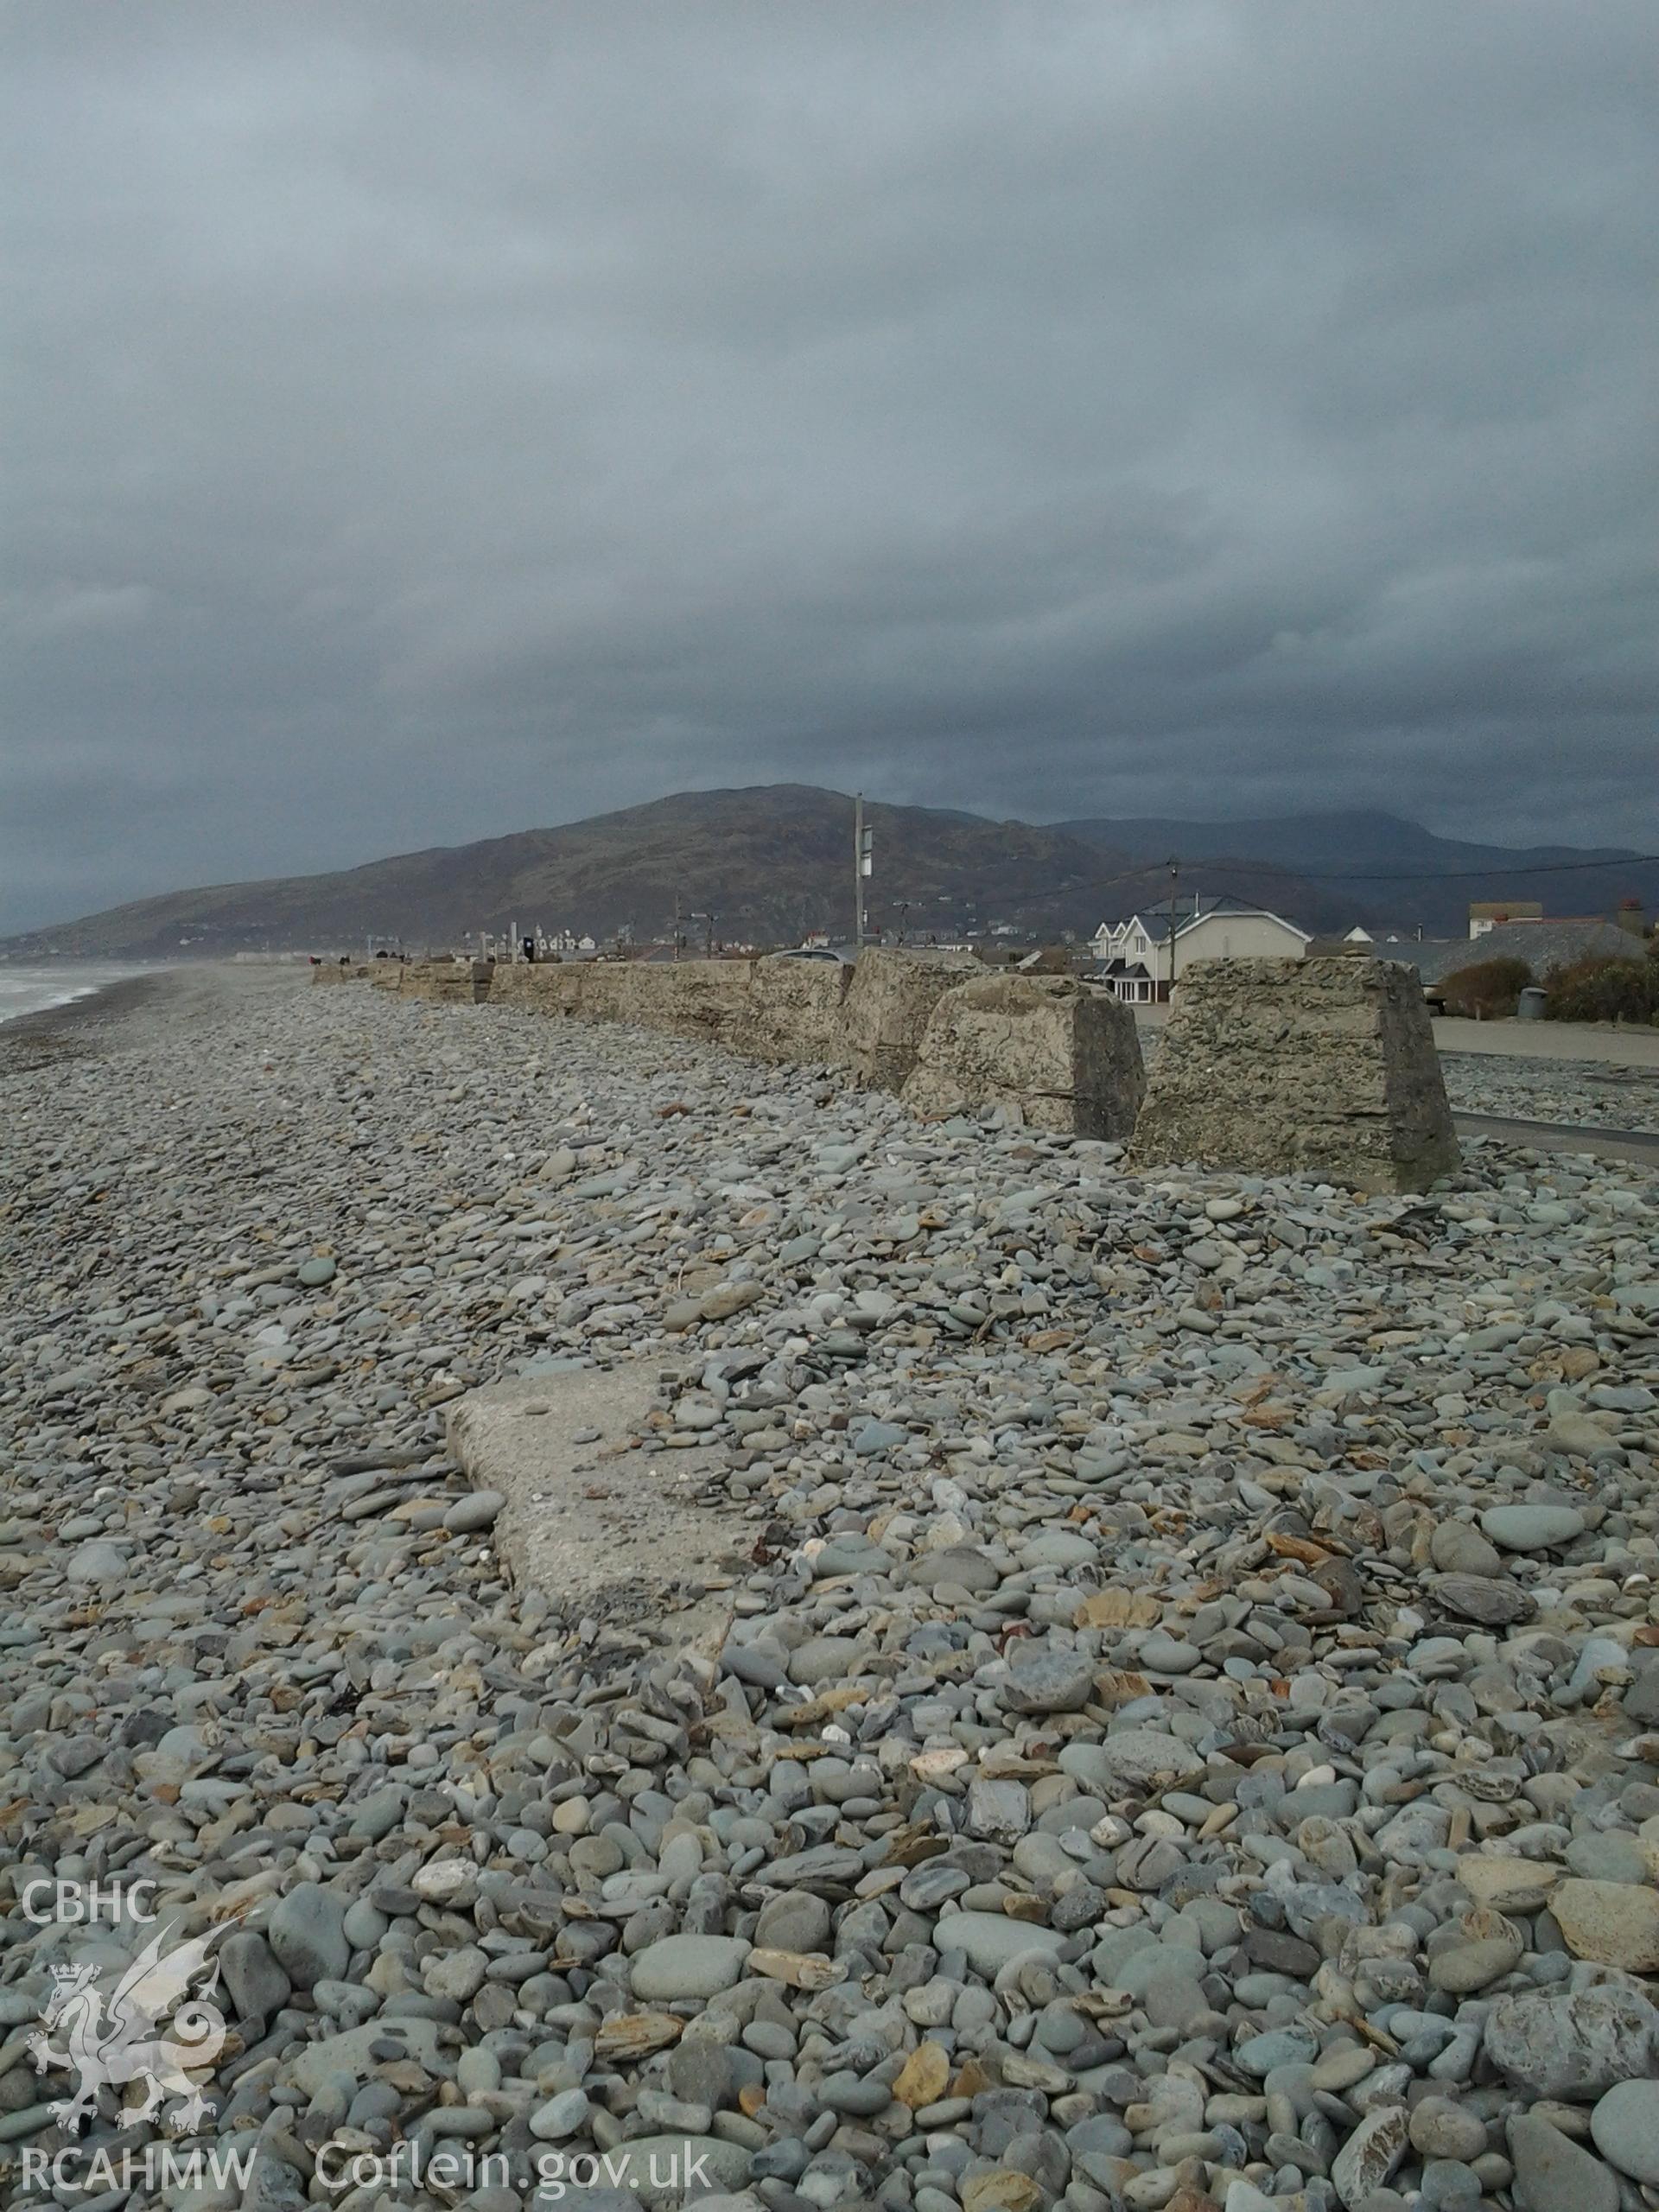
427	421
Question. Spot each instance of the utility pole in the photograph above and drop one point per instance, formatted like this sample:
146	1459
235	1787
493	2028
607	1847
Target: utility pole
677	928
1174	878
858	871
863	864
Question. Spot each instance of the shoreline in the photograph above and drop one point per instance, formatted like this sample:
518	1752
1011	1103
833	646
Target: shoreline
60	1030
149	1005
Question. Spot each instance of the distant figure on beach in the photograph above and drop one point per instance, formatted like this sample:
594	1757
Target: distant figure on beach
529	950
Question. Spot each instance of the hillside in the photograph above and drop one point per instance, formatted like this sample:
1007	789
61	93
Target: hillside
769	863
773	862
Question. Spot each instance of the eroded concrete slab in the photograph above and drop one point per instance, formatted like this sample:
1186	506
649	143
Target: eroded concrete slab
599	1525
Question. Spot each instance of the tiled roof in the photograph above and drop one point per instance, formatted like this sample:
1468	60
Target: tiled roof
1155	920
1542	945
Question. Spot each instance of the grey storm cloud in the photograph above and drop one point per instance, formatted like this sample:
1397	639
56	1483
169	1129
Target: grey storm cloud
424	420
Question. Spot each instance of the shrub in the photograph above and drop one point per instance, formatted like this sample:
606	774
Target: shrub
1486	988
1602	987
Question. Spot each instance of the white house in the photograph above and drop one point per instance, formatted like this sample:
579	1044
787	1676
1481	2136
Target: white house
1138	957
1381	933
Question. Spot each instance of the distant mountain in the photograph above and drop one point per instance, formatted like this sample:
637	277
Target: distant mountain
1361	838
1379	867
769	863
773	862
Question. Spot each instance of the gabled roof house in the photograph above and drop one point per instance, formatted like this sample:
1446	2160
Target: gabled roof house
1138	957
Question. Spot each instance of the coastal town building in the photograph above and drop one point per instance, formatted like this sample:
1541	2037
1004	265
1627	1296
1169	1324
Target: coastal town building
1488	914
1381	933
1138	958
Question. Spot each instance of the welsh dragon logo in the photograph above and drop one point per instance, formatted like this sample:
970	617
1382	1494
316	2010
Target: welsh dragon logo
107	2049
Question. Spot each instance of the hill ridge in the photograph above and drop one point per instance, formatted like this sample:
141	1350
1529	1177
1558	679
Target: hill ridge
771	861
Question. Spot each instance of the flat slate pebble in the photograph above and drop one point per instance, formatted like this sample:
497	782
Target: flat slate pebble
687	1965
1625	2128
1531	1528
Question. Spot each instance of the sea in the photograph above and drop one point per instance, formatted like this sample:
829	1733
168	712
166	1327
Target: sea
30	987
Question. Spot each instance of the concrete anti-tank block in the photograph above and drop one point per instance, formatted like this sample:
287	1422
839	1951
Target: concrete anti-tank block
691	998
793	1013
888	1002
539	987
703	999
609	992
1325	1068
1062	1054
447	982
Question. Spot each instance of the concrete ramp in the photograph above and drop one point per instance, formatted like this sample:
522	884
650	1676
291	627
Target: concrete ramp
598	1525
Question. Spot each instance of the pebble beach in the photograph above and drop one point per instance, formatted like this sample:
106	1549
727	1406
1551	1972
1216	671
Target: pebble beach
1185	1733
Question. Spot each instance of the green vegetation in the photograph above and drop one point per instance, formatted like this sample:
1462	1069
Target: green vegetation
1605	987
1486	990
